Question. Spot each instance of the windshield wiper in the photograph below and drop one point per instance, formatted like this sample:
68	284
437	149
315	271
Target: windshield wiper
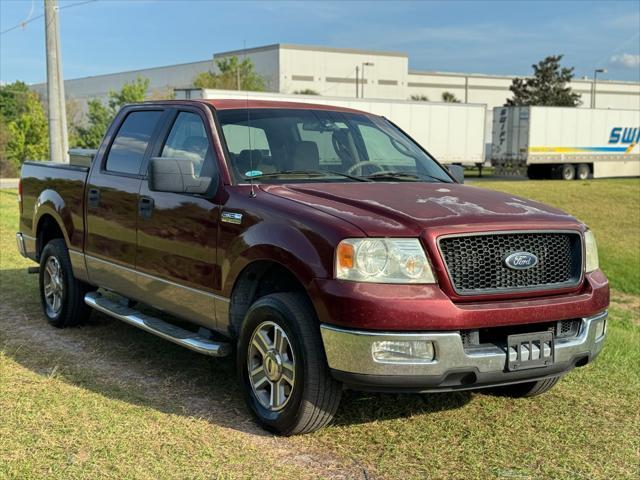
310	173
403	176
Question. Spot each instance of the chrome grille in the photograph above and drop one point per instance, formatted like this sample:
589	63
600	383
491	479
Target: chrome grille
476	263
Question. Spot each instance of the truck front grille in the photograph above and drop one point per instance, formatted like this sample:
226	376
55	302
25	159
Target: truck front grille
476	263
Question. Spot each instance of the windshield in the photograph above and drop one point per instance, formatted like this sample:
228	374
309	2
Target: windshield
291	145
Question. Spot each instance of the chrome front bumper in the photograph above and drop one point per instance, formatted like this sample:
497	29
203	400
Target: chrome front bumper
349	354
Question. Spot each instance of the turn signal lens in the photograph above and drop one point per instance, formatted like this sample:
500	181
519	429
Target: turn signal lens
591	252
346	253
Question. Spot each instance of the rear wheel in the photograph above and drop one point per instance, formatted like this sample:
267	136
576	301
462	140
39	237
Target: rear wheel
61	294
566	172
527	389
282	367
583	171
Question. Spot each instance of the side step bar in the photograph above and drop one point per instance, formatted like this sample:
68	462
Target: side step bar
158	327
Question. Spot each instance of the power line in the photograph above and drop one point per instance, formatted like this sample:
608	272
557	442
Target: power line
30	19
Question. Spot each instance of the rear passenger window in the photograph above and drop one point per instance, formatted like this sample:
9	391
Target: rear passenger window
127	149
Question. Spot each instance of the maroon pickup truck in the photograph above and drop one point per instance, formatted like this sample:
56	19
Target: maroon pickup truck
323	246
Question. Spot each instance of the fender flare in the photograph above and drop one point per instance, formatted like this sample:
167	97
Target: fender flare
282	244
50	203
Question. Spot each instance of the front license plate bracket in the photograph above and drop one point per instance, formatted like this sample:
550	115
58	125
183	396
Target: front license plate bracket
530	350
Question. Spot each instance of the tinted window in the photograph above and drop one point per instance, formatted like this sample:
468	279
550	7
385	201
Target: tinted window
127	149
188	140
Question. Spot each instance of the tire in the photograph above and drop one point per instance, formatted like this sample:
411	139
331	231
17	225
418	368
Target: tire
525	390
566	172
583	171
61	294
308	395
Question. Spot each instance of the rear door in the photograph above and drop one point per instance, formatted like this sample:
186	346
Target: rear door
112	199
177	232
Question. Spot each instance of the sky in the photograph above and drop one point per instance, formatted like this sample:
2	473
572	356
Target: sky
499	37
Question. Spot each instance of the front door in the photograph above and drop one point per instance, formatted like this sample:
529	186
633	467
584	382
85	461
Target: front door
112	199
177	233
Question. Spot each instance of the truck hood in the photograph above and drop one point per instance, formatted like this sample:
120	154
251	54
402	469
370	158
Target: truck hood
408	208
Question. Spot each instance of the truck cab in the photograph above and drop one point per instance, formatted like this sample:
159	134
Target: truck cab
321	246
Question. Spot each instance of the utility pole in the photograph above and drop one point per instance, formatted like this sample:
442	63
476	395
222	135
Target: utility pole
357	73
58	140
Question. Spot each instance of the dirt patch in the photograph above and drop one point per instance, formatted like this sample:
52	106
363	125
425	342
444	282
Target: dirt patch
627	302
115	356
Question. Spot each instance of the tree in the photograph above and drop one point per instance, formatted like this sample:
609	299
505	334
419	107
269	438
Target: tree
306	91
100	116
547	87
14	98
419	98
449	97
233	75
24	132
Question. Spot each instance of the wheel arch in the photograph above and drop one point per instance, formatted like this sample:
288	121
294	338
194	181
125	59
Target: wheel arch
52	219
48	228
257	279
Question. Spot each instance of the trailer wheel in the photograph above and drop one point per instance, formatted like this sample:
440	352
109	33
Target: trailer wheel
583	171
566	172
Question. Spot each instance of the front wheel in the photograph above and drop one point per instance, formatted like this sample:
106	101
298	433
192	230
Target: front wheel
282	367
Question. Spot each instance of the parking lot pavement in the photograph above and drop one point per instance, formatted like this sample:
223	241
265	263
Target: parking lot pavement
8	183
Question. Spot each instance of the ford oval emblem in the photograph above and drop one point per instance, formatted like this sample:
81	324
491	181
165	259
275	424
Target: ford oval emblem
521	260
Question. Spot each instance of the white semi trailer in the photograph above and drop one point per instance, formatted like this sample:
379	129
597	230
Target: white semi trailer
566	143
452	132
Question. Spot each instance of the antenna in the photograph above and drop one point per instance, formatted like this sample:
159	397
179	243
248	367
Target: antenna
253	191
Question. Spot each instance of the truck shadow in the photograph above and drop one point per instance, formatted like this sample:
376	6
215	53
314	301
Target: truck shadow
118	361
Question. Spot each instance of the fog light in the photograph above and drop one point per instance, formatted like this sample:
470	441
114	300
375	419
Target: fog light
403	351
601	328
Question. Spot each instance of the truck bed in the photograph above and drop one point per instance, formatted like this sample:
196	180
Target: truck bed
57	189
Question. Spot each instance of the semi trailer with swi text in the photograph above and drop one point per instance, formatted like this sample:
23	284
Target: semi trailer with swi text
565	142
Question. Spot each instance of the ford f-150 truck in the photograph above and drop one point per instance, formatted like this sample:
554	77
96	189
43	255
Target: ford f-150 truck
322	246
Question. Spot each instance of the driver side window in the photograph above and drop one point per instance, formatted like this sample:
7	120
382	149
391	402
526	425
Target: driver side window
188	140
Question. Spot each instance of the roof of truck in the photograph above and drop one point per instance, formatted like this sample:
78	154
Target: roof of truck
233	104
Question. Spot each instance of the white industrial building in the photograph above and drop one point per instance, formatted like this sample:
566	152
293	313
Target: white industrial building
288	68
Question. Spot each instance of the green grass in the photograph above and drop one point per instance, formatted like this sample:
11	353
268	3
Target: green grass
109	401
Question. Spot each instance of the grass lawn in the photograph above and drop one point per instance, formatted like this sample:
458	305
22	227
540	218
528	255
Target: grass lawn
107	400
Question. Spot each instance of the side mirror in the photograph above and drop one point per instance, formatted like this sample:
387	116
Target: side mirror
457	172
176	175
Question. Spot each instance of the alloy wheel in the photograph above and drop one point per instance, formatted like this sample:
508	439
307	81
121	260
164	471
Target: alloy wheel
271	366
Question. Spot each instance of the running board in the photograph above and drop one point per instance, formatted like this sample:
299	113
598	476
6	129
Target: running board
158	327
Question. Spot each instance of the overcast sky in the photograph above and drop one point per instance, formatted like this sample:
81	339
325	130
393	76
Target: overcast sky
501	37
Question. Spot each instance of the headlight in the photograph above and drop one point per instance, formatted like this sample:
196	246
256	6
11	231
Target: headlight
591	251
383	260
